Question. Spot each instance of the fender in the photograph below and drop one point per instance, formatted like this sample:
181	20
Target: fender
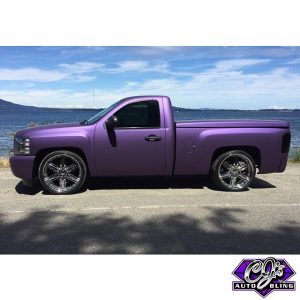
70	137
196	146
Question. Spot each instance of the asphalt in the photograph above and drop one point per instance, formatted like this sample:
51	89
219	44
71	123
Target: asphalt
153	215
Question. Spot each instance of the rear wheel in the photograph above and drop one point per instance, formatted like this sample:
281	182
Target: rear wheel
62	172
233	170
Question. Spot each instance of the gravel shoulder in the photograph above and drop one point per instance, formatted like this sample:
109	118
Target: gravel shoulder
138	215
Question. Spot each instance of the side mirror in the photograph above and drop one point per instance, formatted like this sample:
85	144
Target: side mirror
111	122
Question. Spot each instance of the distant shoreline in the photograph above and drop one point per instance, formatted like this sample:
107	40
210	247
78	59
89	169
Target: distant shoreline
13	107
175	109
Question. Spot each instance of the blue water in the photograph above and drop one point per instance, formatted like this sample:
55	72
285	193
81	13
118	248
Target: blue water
10	122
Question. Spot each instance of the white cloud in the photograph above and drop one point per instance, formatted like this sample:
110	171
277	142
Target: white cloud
163	67
67	106
120	67
138	66
160	84
73	72
157	51
131	83
295	61
276	107
81	67
236	64
48	97
80	71
225	85
84	78
78	51
131	65
144	66
32	74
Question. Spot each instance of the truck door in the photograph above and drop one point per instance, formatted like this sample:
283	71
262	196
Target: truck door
135	145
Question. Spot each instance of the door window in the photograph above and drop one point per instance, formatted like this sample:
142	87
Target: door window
142	114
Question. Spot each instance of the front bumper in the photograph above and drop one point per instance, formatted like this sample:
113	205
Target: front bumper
22	166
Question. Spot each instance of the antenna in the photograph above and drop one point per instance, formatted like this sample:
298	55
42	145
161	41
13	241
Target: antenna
93	98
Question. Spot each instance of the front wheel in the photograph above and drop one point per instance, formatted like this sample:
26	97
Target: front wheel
62	172
233	170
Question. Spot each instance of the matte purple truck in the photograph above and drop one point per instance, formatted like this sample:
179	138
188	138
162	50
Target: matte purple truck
137	136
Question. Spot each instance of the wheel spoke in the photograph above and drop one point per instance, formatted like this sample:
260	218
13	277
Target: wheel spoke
62	161
225	175
243	177
52	178
53	167
62	182
243	166
71	168
72	178
226	165
232	181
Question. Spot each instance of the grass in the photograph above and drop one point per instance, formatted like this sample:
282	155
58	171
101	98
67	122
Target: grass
4	162
296	156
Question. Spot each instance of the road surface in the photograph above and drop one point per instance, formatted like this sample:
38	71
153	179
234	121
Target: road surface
182	215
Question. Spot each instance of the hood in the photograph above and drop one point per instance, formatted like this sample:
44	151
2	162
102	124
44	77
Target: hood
28	132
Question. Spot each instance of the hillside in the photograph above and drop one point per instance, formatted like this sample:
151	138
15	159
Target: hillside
9	106
12	107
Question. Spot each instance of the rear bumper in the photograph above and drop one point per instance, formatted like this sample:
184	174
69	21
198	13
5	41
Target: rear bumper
271	164
22	166
283	163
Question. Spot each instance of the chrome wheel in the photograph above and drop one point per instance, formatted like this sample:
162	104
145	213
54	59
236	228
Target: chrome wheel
234	170
62	173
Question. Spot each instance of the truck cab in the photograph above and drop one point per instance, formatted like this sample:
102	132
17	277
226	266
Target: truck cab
138	136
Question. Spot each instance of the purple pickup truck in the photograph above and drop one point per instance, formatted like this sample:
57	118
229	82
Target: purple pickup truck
137	136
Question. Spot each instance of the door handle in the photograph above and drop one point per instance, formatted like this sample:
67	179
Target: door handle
152	138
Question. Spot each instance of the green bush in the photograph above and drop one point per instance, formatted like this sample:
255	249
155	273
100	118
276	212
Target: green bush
297	156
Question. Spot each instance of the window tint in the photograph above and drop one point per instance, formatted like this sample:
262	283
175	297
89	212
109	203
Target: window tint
139	114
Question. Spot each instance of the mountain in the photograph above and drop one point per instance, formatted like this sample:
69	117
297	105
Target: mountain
9	106
13	107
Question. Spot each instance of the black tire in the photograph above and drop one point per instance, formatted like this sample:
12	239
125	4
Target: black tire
233	171
62	172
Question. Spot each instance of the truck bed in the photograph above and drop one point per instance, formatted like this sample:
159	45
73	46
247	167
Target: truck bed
233	124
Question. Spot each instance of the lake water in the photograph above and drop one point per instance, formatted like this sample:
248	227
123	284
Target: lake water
10	122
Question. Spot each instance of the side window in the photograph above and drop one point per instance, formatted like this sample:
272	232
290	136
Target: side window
139	114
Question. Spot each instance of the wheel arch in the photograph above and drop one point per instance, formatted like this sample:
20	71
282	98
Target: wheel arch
43	152
251	150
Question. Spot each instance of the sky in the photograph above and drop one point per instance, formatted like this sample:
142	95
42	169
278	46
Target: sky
193	77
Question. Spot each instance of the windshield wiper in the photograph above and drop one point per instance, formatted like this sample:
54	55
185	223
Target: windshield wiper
84	122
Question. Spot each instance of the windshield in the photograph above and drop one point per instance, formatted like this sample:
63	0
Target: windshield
101	113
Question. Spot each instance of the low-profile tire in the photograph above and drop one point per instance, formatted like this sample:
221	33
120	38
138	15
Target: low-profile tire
233	171
62	172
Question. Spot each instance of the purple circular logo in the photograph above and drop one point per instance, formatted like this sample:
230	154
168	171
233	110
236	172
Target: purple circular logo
264	276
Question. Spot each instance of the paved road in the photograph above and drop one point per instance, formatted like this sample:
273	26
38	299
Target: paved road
185	215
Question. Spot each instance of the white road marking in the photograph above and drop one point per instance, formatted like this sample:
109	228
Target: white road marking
149	207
